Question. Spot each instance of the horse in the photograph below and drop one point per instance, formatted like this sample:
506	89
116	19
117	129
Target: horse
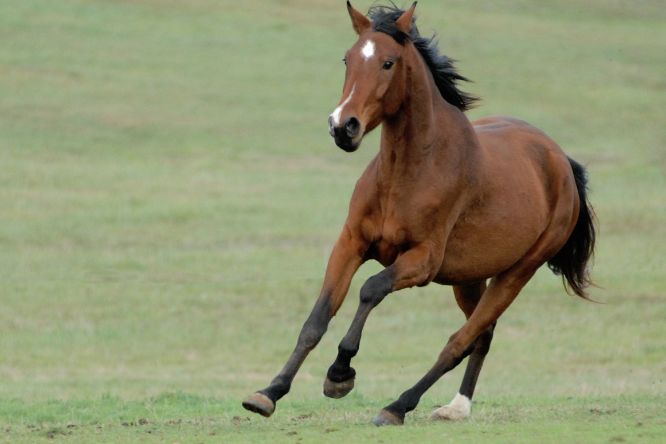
476	205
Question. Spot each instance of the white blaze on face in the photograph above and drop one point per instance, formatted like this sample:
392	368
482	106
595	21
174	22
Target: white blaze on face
368	50
336	113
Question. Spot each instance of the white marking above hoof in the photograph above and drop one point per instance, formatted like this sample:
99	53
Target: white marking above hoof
459	408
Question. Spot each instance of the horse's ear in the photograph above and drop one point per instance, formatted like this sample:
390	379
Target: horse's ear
360	22
404	22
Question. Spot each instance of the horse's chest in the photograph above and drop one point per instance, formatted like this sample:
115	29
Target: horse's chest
394	233
391	238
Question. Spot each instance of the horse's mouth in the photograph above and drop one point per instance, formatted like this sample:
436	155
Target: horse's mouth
347	138
347	145
344	142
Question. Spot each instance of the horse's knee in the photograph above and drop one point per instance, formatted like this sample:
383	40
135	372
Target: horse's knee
311	334
375	289
310	337
316	324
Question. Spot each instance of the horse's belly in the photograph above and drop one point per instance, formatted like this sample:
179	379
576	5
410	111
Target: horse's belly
466	263
481	246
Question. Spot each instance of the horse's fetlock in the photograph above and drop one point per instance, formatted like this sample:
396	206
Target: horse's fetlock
347	351
339	372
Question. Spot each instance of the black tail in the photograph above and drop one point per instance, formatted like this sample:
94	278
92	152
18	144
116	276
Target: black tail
571	260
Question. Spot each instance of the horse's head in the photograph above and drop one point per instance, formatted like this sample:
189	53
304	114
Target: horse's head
375	80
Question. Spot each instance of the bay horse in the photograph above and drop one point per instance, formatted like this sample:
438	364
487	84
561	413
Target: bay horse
444	201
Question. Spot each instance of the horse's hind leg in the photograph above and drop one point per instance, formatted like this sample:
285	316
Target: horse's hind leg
502	291
460	406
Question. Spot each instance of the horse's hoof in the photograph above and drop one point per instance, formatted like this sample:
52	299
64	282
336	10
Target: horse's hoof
338	389
259	403
449	413
458	409
387	418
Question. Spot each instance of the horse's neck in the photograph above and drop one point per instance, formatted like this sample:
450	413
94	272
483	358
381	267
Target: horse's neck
426	133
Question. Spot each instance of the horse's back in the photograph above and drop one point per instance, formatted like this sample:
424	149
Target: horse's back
516	142
504	127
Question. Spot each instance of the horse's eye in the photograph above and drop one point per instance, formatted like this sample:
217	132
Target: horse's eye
388	64
344	60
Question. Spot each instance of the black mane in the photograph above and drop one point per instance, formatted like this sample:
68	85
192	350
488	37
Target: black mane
442	69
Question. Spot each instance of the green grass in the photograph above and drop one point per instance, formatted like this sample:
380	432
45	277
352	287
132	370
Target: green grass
187	418
169	194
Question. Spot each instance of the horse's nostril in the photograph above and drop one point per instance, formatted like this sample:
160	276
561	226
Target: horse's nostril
331	126
352	126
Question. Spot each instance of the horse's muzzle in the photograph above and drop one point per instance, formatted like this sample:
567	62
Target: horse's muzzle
346	136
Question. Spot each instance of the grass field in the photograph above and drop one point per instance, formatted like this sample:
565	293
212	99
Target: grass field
169	195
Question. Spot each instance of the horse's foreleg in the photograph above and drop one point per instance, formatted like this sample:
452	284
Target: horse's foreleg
411	268
499	295
460	406
343	263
